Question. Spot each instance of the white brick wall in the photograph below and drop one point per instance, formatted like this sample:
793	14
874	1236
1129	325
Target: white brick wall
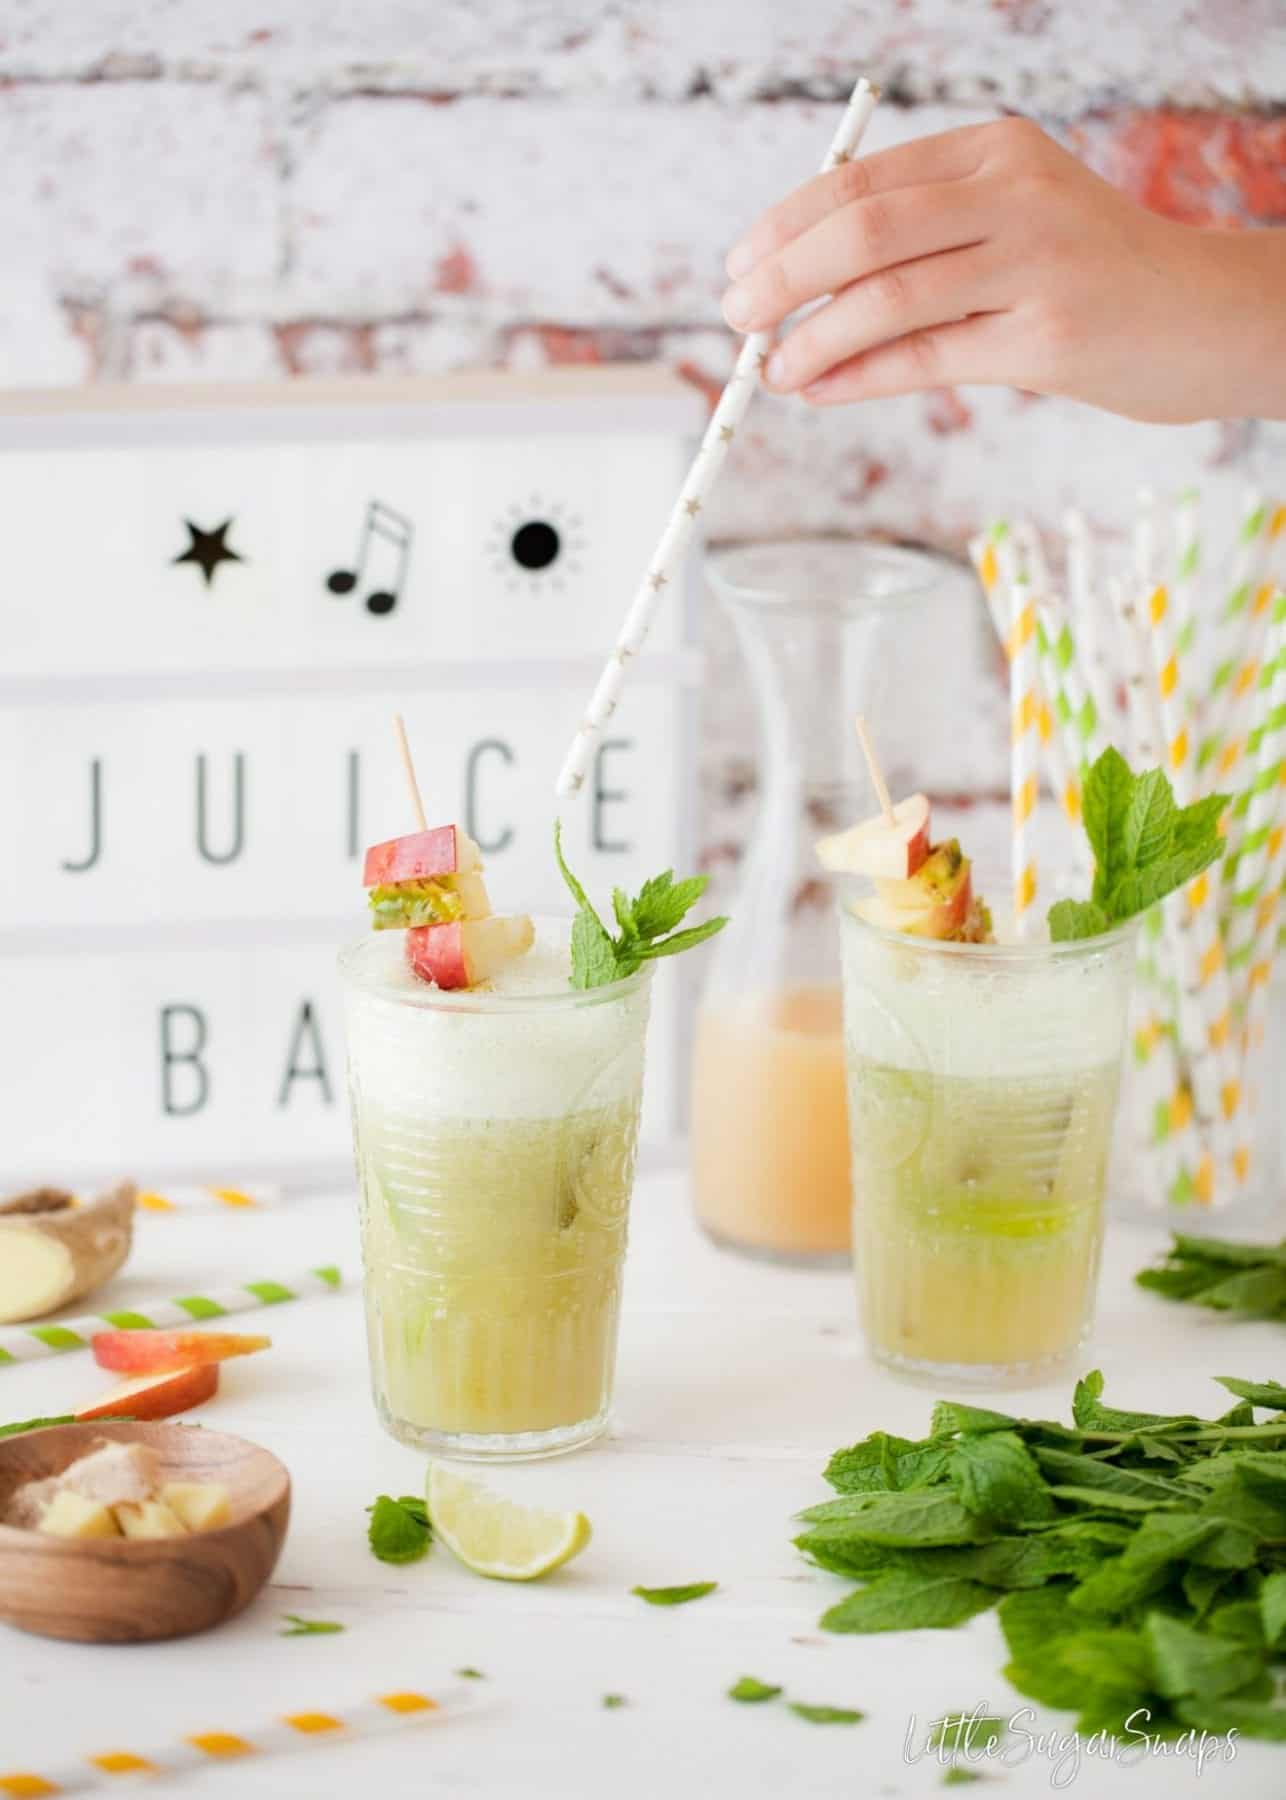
288	187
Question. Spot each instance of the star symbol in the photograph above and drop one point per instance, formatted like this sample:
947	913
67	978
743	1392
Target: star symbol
692	508
208	549
725	434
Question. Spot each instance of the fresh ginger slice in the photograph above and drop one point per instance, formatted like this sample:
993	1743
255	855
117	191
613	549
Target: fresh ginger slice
70	1515
52	1253
200	1505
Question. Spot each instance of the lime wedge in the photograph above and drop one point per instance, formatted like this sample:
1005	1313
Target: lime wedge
496	1537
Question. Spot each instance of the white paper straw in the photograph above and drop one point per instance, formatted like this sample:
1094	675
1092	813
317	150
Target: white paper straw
663	569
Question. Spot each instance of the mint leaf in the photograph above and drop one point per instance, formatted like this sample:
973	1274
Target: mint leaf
36	1424
684	940
577	891
1149	819
959	1732
905	1599
1188	1661
1106	796
995	1477
825	1715
1071	919
471	1674
751	1690
594	959
1272	1610
297	1627
1198	823
1259	1393
612	1701
624	914
1139	889
663	902
1253	1719
675	1596
399	1531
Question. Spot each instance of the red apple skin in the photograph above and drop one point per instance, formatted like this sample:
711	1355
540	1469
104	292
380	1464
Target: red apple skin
876	849
163	1352
417	857
157	1396
436	953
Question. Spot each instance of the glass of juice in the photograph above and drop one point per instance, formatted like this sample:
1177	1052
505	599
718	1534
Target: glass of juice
495	1132
982	1093
823	626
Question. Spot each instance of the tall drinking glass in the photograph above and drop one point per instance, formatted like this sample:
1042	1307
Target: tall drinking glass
982	1092
495	1135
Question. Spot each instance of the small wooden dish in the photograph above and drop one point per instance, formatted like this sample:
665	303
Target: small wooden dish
128	1591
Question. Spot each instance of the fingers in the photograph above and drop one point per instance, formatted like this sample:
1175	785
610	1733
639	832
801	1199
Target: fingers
855	241
979	349
914	296
946	156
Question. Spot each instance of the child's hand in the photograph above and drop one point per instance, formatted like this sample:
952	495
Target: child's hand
989	254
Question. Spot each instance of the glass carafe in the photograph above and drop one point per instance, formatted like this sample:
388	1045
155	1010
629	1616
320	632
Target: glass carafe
823	626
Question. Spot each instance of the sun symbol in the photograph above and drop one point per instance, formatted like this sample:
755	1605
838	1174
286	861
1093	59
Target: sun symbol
536	545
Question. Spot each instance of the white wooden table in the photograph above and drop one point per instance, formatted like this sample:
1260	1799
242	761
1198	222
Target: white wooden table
736	1382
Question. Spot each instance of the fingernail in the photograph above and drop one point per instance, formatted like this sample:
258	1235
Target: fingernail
740	261
736	307
775	369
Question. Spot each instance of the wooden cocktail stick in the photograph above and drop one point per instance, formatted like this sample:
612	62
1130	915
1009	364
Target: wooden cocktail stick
877	774
400	728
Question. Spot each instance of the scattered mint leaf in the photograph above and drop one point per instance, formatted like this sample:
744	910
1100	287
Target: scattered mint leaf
964	1731
1144	846
825	1715
22	1425
675	1596
1259	1393
647	925
960	1776
399	1531
471	1674
751	1690
1072	919
1249	1279
297	1627
612	1701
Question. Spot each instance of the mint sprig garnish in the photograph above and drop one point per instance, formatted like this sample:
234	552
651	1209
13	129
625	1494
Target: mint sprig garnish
1145	846
647	925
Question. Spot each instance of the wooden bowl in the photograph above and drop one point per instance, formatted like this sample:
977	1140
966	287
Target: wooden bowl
128	1591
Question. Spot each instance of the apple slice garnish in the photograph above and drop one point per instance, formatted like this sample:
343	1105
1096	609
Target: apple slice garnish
421	855
468	951
891	848
163	1352
157	1396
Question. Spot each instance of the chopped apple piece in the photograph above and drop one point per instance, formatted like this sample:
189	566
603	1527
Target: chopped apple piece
935	902
70	1515
113	1473
468	952
445	850
200	1505
148	1519
162	1352
880	849
157	1396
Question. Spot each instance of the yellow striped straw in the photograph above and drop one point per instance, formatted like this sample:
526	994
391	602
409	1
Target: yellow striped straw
377	1716
1024	716
187	1198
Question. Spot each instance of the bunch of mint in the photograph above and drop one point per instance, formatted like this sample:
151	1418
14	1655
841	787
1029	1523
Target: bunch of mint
647	925
1248	1279
1145	846
1138	1560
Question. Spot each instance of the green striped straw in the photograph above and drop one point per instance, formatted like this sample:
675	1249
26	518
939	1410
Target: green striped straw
27	1343
1240	634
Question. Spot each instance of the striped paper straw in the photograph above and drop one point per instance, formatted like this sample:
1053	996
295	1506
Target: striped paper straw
1205	995
1083	603
1023	787
1256	895
1075	709
1063	769
206	1199
1242	590
375	1717
663	569
27	1343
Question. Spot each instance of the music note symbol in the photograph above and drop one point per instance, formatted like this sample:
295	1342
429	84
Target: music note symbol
387	538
